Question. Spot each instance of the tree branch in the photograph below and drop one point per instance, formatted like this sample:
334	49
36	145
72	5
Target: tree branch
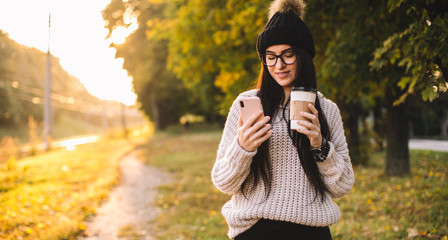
444	69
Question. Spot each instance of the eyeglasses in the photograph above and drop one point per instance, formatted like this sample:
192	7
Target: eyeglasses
287	58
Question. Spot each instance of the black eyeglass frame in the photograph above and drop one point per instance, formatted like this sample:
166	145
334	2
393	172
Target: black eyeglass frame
263	58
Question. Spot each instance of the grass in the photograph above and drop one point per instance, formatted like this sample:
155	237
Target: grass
48	196
191	205
409	207
379	207
128	232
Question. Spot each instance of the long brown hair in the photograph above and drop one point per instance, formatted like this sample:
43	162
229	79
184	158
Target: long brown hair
272	96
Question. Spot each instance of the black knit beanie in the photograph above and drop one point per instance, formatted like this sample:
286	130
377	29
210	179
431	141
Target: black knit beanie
285	26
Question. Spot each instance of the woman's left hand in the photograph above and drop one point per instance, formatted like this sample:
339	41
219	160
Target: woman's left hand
312	130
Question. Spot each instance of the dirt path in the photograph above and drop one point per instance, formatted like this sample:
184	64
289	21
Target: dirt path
130	210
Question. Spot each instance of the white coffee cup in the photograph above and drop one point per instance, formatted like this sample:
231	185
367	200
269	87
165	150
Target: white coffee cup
300	98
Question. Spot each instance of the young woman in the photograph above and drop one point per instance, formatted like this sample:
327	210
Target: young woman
281	187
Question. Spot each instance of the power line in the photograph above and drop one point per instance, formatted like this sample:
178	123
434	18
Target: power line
36	95
37	92
58	104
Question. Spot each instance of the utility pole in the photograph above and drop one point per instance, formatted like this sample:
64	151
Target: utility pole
123	120
105	118
47	102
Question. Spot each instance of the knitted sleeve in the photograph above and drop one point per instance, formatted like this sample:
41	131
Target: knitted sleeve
337	169
232	162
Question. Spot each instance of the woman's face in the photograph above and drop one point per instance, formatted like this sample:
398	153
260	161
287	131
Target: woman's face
284	72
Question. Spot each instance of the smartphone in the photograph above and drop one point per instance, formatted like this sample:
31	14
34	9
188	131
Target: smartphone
250	106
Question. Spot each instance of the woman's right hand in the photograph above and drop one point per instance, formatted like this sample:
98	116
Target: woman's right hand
254	131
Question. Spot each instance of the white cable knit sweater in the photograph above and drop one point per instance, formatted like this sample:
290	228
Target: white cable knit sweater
292	195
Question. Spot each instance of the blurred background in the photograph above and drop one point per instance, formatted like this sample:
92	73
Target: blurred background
119	64
383	63
63	43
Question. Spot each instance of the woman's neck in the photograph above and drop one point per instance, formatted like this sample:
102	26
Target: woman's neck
287	91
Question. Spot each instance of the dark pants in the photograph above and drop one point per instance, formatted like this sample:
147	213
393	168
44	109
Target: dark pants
279	230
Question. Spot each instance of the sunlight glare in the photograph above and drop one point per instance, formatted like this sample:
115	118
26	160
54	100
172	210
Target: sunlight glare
70	144
70	148
119	35
77	40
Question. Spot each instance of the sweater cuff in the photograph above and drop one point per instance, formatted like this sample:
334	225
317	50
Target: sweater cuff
331	162
238	156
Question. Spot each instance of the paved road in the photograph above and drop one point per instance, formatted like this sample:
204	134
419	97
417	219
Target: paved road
424	144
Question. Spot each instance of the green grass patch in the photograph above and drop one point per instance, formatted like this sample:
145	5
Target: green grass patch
379	207
409	207
191	205
48	196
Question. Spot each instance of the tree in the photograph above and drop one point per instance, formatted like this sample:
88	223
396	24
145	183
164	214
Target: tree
163	97
345	36
5	53
416	48
213	48
369	60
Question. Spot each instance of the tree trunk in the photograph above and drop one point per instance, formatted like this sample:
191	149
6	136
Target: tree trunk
353	140
155	111
444	126
397	130
351	123
378	125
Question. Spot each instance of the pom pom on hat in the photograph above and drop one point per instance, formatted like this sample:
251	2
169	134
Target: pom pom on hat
285	26
295	6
